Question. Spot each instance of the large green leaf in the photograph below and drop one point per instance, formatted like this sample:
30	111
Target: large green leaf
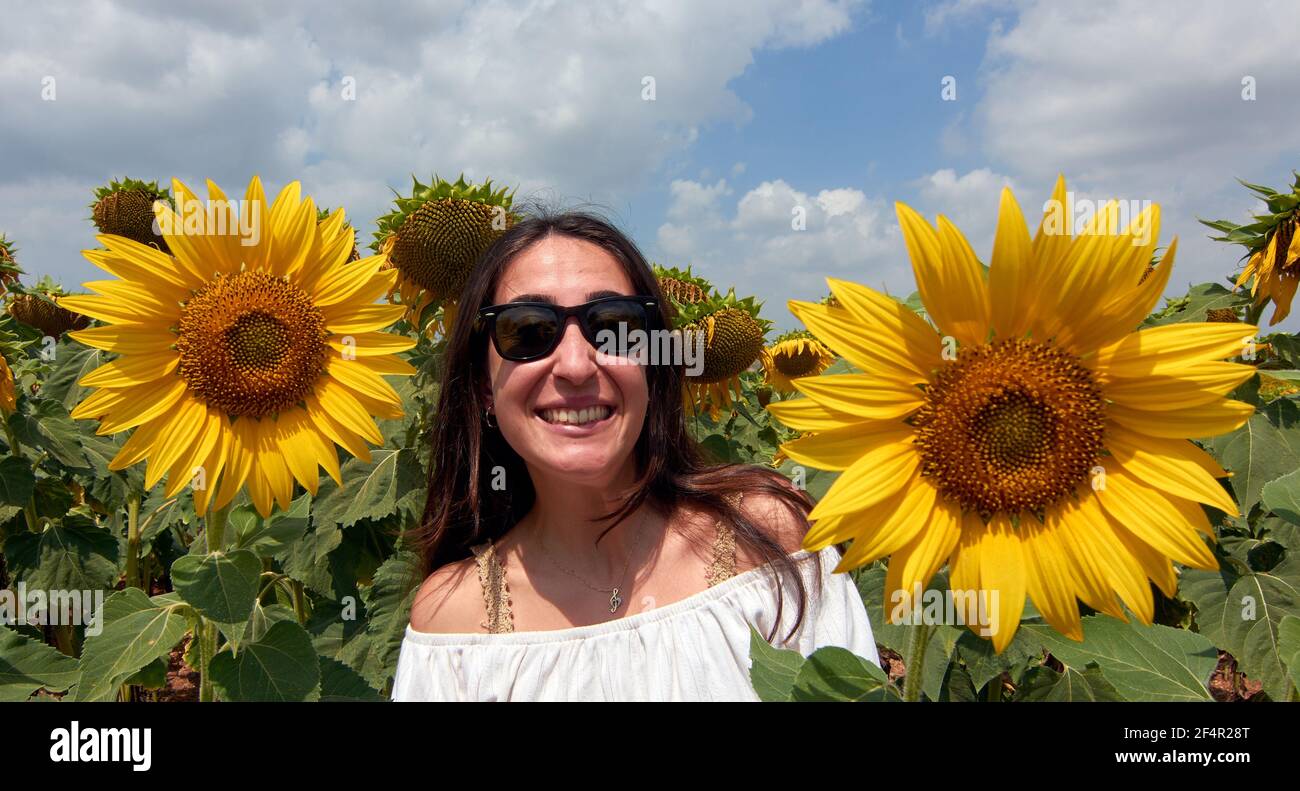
27	665
1147	663
338	682
17	481
220	585
1288	634
390	482
1264	449
389	604
72	361
73	556
829	673
271	536
1242	613
281	666
48	427
1282	497
1042	683
136	631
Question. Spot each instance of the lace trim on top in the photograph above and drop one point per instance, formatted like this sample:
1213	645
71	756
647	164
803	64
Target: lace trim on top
496	591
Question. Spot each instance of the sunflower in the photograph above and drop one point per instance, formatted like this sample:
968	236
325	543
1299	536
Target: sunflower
1273	247
242	359
793	355
1276	270
1031	439
435	237
8	391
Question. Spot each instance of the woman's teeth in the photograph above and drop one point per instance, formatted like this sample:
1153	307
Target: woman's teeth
576	417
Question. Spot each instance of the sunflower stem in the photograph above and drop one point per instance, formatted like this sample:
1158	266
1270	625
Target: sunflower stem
915	660
133	542
214	534
1255	311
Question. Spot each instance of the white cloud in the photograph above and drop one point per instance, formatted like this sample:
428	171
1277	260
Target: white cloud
754	245
535	94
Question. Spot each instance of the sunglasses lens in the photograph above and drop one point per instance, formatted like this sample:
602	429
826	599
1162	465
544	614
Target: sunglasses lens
615	314
525	331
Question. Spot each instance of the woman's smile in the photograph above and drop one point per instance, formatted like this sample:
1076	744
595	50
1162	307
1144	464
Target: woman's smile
578	419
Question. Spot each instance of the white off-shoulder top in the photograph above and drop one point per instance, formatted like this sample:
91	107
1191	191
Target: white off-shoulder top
694	649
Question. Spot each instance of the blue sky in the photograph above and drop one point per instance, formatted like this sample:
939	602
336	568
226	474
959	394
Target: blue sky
827	104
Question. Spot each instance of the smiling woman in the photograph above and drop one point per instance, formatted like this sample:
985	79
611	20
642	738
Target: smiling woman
578	545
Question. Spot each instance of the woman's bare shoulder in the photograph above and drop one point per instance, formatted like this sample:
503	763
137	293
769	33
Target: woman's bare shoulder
450	600
771	514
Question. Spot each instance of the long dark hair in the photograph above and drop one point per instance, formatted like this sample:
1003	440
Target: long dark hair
464	509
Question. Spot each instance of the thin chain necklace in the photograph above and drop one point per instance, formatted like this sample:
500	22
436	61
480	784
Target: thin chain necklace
615	600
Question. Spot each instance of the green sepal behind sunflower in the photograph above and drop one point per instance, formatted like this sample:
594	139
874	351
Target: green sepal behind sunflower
791	335
150	188
1255	236
324	214
9	269
437	189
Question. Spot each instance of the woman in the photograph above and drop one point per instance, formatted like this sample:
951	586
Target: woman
580	546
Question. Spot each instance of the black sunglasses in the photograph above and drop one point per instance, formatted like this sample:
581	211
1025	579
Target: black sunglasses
523	331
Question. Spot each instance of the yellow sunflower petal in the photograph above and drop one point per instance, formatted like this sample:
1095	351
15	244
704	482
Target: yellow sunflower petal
1012	288
912	566
876	475
1170	465
1149	516
887	526
1190	386
1164	350
1203	420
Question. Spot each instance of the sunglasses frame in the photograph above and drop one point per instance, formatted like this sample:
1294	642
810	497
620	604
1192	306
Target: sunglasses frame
486	320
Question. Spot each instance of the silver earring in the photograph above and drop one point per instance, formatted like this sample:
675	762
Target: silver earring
487	418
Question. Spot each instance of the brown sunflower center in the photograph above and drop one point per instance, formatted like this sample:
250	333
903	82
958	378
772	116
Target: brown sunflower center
251	344
1010	426
796	363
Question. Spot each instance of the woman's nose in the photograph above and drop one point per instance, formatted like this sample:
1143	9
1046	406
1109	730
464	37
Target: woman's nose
575	358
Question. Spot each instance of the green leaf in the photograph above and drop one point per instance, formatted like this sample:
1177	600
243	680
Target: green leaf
72	361
1242	612
773	671
221	586
72	556
1200	299
136	631
984	664
389	605
151	676
281	666
17	481
269	537
338	682
1288	634
1282	497
27	665
1263	450
1042	683
1156	663
388	483
312	562
49	428
832	673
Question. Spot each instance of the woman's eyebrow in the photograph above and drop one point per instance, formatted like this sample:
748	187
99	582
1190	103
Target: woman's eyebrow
551	300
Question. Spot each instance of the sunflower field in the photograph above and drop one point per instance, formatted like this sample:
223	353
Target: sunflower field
1049	481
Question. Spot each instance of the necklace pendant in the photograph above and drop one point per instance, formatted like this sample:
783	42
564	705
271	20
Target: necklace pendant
614	601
